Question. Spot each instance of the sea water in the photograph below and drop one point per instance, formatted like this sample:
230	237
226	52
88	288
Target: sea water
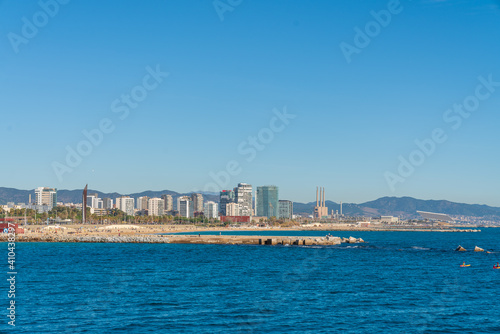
397	282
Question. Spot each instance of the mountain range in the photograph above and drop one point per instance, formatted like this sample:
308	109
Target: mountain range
405	207
75	196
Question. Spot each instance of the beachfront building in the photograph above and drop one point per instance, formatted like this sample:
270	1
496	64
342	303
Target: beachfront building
226	196
125	204
185	206
156	207
94	202
266	201
285	209
46	196
211	210
107	203
169	202
197	202
233	209
142	203
243	196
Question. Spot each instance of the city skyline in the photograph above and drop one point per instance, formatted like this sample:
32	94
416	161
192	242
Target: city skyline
266	198
298	98
311	199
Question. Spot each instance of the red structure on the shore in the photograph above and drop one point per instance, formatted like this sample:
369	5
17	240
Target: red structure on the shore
235	219
5	226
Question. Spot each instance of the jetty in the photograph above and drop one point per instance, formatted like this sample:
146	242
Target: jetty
187	239
262	240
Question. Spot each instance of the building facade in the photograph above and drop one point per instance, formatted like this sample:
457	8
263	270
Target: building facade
156	207
94	201
285	210
211	210
169	202
233	209
46	196
266	201
226	196
142	203
197	202
243	196
107	203
185	206
125	204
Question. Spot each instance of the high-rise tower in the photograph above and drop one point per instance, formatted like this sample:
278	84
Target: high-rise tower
243	197
267	201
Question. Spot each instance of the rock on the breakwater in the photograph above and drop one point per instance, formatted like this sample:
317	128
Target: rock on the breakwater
460	249
478	249
351	240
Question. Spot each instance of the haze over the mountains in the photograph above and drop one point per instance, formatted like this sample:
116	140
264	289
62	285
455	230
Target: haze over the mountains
394	206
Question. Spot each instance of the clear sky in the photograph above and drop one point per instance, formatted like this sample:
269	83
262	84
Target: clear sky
358	92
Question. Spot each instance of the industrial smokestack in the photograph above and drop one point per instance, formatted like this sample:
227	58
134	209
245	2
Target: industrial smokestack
316	196
341	208
324	201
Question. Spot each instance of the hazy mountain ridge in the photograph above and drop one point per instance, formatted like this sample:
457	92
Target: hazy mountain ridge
395	206
404	206
389	205
75	196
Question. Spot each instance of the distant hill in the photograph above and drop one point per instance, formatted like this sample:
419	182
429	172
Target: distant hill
15	195
75	196
405	207
408	206
392	206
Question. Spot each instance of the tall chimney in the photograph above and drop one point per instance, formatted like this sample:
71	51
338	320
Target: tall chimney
324	201
316	196
341	208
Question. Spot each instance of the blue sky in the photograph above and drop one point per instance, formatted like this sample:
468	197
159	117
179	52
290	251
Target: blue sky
226	81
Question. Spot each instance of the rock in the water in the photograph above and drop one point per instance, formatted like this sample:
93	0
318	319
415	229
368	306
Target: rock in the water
460	249
478	249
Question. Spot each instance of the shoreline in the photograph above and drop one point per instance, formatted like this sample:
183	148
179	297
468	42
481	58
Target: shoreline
192	234
363	229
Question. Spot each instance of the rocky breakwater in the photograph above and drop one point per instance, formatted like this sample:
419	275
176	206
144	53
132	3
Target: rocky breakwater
152	239
261	240
309	241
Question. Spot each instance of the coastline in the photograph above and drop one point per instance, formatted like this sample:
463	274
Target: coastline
192	234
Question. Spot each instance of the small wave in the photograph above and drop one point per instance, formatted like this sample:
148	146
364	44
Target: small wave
420	248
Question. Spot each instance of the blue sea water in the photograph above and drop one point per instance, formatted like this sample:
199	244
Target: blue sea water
398	282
